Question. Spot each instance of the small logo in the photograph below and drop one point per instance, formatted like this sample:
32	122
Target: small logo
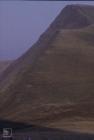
7	133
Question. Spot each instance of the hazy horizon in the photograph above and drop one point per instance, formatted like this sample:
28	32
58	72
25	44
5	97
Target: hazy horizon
23	22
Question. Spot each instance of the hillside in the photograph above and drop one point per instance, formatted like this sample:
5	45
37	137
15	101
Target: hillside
54	80
72	16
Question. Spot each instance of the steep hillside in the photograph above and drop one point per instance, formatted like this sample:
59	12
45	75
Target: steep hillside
72	16
63	74
54	79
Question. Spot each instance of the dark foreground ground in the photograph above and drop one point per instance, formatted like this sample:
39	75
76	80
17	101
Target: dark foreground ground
30	132
51	134
48	134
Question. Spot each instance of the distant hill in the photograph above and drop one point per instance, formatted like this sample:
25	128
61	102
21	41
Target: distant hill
54	79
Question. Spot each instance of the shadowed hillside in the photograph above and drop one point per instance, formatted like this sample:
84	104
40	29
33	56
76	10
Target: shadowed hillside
54	79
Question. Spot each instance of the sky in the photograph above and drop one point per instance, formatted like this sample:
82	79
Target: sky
22	22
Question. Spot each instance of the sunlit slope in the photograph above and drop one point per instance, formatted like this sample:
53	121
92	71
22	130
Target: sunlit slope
61	78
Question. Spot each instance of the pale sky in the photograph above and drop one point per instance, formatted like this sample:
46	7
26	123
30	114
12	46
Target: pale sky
22	22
